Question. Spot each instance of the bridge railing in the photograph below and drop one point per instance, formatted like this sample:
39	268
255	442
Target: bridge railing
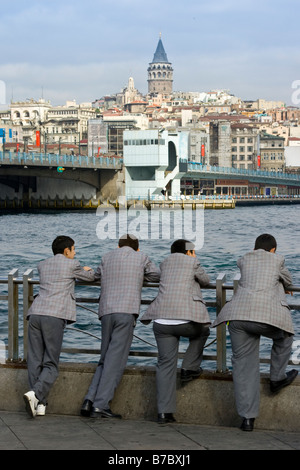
195	166
211	197
37	158
17	327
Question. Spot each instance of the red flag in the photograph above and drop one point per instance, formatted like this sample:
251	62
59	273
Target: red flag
38	138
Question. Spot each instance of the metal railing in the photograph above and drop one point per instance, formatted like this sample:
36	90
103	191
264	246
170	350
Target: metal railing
17	327
261	174
46	159
212	197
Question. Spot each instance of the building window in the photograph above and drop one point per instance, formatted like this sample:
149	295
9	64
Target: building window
144	142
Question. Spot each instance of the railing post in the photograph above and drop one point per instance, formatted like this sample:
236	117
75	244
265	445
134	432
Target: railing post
236	282
13	316
27	301
221	329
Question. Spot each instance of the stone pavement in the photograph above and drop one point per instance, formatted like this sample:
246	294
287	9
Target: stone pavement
60	432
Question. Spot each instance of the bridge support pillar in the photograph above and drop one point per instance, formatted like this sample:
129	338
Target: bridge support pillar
112	185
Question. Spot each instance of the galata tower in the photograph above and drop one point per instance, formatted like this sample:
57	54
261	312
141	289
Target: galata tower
160	72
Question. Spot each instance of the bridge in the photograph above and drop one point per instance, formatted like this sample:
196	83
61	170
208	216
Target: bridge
27	178
186	168
33	176
192	170
50	159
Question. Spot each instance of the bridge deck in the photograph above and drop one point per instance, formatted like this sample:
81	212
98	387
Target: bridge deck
50	159
193	170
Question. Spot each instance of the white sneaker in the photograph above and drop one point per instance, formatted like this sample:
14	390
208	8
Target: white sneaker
41	410
31	403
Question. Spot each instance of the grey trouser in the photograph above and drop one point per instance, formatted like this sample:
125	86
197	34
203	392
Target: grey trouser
117	333
245	340
45	336
167	338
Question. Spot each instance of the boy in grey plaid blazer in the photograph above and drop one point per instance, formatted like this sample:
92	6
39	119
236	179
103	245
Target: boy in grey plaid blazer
178	310
122	273
259	308
53	307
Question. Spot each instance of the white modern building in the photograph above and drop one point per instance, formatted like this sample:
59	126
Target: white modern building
292	157
152	162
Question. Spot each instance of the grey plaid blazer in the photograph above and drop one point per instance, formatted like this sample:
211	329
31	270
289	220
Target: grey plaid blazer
260	296
56	296
179	295
122	273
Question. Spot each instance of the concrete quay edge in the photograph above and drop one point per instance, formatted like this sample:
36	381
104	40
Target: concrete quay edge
205	401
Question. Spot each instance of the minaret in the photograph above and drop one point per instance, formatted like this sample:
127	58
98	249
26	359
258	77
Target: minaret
160	72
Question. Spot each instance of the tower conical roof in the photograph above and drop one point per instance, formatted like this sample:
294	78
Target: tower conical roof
160	54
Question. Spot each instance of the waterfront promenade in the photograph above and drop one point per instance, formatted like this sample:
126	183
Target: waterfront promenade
206	415
60	432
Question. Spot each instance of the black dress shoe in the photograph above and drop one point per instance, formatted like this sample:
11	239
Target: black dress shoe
97	413
187	375
275	386
86	408
164	418
247	424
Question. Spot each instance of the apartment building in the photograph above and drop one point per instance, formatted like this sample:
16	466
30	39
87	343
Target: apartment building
272	152
105	135
244	148
27	116
220	143
68	123
58	125
29	112
285	114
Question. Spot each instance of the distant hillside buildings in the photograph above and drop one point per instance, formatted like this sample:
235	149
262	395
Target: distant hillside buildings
222	129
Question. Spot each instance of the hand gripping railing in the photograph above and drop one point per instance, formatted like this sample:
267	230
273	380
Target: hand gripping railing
27	283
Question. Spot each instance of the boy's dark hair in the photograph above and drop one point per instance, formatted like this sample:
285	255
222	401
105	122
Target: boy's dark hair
265	242
182	246
61	243
129	240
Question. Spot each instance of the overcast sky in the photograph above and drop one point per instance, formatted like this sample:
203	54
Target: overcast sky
84	49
